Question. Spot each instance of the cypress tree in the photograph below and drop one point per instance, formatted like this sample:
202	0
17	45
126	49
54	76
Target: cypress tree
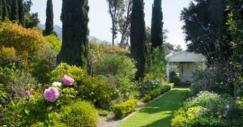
5	13
1	9
14	10
75	20
138	36
157	24
21	11
49	18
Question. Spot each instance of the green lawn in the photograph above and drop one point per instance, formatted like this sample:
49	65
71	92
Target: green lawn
159	112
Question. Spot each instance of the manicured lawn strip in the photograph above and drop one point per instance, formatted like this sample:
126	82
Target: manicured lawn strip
159	112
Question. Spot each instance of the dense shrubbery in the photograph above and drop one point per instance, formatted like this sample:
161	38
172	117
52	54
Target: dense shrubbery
94	89
156	92
25	42
79	114
208	110
123	109
97	91
118	70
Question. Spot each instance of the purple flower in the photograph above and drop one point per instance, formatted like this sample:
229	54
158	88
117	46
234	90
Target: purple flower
67	80
51	94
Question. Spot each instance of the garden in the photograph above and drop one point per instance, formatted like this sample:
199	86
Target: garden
77	81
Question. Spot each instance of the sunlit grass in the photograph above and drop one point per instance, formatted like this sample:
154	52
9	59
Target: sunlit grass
158	113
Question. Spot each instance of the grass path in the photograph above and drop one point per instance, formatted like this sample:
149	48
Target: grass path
159	112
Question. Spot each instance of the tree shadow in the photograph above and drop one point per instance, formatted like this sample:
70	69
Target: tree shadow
160	123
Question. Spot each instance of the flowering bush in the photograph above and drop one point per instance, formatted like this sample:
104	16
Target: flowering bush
73	112
64	69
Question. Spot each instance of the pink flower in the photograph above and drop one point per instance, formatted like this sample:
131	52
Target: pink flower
51	94
67	80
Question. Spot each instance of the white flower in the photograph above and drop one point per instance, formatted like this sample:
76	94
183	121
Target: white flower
56	84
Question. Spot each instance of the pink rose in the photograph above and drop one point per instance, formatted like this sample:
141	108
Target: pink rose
51	94
67	80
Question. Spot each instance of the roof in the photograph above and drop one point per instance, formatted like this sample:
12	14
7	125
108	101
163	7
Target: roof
185	56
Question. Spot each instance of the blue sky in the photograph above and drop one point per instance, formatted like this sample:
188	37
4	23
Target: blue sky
100	22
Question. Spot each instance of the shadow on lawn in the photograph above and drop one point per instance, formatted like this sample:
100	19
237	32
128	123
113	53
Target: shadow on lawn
160	123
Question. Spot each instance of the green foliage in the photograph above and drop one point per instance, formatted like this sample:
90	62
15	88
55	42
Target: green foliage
41	70
15	81
64	112
79	114
148	85
217	111
119	71
117	65
212	101
123	109
54	41
194	117
63	68
97	91
212	80
155	62
205	28
156	92
94	89
23	112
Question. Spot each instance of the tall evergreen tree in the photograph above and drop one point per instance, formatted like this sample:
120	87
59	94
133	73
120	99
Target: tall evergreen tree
1	9
14	10
75	20
138	36
21	11
49	18
5	10
157	24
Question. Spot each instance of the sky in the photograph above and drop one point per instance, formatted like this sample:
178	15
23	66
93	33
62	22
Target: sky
100	21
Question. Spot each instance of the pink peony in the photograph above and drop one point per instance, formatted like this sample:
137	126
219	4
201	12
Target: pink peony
51	94
67	80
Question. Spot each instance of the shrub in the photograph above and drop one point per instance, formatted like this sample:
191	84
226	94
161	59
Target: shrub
54	41
65	69
79	114
15	81
41	70
24	111
119	71
149	85
123	109
97	91
211	101
117	65
167	87
7	55
214	109
26	42
216	78
195	117
156	92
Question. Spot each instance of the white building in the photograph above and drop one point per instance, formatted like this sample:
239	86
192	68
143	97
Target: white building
184	64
